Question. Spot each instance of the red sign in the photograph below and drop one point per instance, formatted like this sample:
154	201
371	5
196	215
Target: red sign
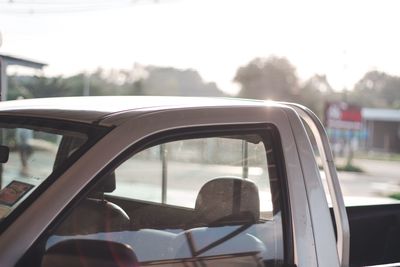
340	115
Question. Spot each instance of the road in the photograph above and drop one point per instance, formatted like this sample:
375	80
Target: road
381	178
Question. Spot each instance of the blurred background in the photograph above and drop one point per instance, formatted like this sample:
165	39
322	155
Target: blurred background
339	58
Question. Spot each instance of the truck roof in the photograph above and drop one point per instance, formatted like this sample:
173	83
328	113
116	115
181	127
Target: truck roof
94	109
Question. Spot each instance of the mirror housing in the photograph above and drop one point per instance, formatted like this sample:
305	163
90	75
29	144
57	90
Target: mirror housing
89	253
4	153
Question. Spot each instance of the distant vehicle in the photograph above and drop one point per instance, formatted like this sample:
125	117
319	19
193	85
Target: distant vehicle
167	181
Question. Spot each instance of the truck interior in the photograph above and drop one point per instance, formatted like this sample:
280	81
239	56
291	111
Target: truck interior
226	226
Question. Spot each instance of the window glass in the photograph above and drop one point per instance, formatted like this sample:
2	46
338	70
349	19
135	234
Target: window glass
211	200
29	154
197	160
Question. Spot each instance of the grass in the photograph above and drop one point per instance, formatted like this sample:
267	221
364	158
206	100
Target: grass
346	168
395	196
349	168
378	156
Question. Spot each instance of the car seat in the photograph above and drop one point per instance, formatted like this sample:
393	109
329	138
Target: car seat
95	214
225	209
228	200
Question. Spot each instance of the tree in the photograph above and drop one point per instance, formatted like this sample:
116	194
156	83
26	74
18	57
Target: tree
38	86
314	93
272	78
176	82
377	89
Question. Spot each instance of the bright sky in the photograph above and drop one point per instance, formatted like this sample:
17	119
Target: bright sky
342	39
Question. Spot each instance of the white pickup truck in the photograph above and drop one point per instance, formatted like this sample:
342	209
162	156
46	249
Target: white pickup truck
168	181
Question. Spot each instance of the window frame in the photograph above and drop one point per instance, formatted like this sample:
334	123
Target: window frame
192	132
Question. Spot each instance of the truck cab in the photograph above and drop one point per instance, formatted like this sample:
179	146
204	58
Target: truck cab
166	181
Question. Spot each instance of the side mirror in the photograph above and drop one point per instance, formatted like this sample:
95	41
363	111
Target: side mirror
4	153
89	253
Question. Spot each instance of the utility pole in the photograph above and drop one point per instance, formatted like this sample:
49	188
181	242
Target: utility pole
86	85
3	80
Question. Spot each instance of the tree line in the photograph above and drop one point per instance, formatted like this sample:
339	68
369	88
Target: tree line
140	80
275	78
262	78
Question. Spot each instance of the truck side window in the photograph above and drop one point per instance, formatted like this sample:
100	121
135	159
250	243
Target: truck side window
210	200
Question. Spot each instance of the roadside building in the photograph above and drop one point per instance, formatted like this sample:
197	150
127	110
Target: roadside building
352	128
8	60
383	130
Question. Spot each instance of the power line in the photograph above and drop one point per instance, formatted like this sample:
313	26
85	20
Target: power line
45	7
33	11
65	2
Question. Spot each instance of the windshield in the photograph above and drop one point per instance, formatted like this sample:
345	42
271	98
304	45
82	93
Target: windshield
32	151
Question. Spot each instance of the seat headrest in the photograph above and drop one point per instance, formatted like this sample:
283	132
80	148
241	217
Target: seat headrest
228	200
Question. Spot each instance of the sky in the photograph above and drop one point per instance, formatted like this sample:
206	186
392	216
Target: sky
341	39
